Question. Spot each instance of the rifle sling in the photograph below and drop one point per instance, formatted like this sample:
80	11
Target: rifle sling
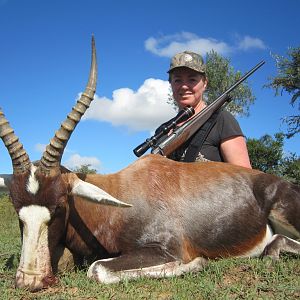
199	138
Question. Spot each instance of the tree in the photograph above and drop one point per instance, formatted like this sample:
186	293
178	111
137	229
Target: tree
291	168
221	75
288	80
267	154
85	169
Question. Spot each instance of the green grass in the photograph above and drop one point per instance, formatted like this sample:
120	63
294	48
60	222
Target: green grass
224	279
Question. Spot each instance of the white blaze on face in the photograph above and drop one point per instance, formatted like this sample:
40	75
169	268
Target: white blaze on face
35	257
32	184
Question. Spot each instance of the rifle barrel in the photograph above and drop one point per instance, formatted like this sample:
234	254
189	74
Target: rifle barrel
244	77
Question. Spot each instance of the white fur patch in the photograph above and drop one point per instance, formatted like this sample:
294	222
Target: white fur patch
174	268
102	274
35	261
35	236
34	214
32	184
259	248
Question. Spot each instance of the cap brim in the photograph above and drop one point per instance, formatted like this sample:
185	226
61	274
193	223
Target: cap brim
201	72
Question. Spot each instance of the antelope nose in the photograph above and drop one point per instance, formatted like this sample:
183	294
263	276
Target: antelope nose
35	282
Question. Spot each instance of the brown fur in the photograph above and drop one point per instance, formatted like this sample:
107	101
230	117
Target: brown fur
190	252
180	211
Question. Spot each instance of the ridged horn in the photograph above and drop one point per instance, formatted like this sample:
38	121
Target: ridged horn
20	160
50	161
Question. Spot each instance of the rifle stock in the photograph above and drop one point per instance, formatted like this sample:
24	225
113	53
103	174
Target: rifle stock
181	134
189	128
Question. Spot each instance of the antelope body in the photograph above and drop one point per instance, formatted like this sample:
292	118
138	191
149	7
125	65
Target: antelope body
159	218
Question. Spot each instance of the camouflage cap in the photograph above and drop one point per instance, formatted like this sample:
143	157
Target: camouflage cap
189	60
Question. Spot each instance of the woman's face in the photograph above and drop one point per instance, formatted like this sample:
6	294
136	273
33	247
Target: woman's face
188	86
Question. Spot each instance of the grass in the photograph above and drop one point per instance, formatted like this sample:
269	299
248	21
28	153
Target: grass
224	279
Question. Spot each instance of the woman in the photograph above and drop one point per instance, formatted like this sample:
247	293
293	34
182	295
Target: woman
225	140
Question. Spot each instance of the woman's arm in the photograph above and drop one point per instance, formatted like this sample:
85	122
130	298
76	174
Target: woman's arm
234	151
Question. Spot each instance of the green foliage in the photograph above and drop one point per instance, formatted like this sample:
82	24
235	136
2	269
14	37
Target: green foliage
221	75
85	169
266	154
290	168
288	80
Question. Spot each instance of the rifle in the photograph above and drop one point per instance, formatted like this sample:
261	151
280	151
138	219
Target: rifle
165	144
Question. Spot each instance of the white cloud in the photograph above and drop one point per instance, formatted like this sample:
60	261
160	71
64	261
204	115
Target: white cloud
144	109
40	147
249	42
147	107
75	161
169	45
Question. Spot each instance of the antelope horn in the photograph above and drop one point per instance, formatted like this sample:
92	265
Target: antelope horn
50	162
20	160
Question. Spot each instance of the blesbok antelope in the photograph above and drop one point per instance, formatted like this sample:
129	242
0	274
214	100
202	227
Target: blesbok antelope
175	215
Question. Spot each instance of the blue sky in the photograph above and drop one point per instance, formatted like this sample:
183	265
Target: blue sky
45	60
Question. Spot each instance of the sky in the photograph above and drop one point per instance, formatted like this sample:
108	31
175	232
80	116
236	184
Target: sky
45	59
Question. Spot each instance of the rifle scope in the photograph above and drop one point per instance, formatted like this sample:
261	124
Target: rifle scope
183	115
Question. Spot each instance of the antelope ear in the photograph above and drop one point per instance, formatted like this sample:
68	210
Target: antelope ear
94	193
5	180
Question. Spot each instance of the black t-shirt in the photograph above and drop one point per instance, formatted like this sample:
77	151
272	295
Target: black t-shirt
226	126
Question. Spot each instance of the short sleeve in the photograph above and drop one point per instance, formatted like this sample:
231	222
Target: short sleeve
228	126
